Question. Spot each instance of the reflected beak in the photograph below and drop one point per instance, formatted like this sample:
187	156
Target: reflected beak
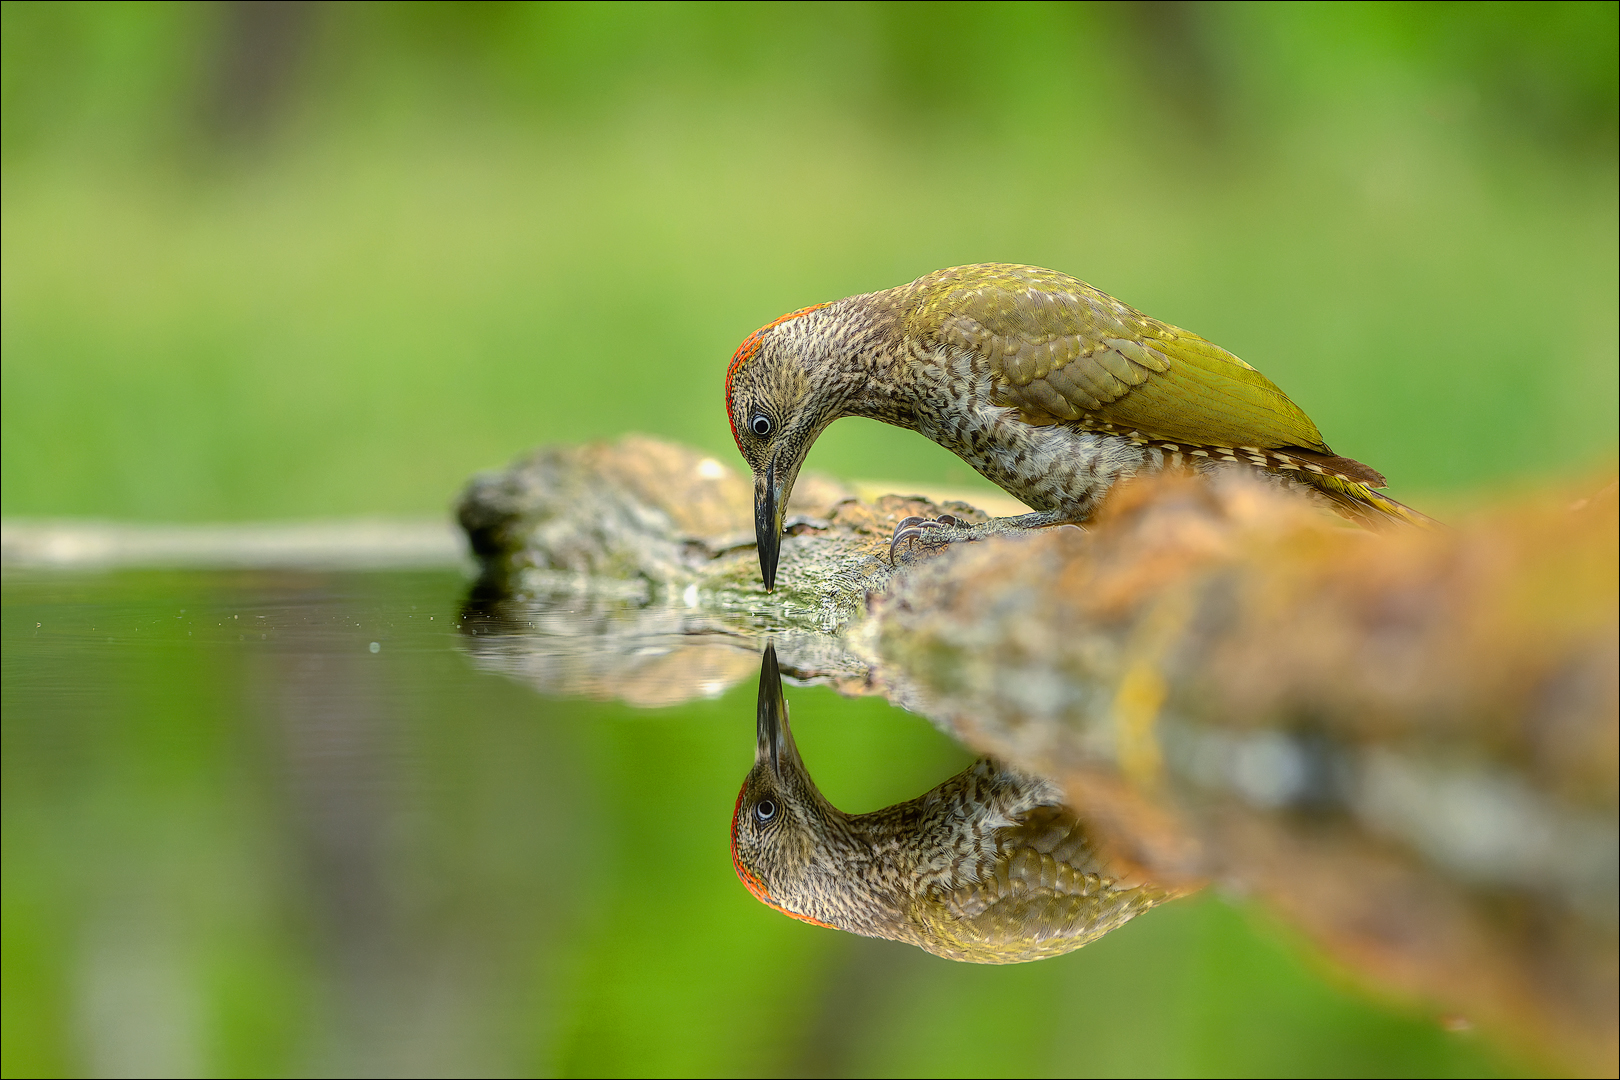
769	502
775	741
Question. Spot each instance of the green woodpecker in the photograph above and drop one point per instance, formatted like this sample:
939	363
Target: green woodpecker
989	867
1046	386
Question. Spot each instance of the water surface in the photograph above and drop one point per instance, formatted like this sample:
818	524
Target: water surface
282	822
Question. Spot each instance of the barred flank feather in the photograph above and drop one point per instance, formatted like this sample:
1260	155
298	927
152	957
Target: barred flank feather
1346	482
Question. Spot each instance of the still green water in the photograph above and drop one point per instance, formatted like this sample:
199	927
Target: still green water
280	823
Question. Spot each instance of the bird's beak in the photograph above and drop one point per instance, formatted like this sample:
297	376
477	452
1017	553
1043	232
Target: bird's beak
775	740
770	500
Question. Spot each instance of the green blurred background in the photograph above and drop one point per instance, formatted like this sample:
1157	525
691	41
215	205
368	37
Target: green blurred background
300	259
270	260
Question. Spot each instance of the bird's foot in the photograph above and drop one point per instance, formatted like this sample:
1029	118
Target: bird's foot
928	533
914	534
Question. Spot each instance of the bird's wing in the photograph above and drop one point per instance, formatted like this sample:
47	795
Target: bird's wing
1061	351
1030	906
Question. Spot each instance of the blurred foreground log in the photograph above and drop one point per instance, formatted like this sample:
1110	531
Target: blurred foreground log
1406	744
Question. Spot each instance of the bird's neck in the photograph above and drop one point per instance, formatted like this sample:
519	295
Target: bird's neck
854	881
860	369
875	868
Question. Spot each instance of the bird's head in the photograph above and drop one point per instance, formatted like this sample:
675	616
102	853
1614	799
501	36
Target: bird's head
779	826
777	408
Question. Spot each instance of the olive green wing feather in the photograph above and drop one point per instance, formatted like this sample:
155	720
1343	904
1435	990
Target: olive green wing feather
1031	906
1061	351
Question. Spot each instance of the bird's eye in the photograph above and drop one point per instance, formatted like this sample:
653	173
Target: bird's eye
760	425
764	810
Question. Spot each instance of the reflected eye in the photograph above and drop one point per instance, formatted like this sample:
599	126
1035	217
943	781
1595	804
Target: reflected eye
764	810
760	425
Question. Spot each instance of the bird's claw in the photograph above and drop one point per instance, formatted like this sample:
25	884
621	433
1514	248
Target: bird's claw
911	531
908	530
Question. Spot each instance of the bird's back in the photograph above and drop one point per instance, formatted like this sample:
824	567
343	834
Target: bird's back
1061	352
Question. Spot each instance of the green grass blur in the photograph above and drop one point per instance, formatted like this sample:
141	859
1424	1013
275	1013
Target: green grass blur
288	260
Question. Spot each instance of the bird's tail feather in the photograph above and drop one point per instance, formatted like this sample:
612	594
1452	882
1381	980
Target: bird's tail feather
1361	503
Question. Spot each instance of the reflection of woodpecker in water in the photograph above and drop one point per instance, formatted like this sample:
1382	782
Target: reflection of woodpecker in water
988	867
